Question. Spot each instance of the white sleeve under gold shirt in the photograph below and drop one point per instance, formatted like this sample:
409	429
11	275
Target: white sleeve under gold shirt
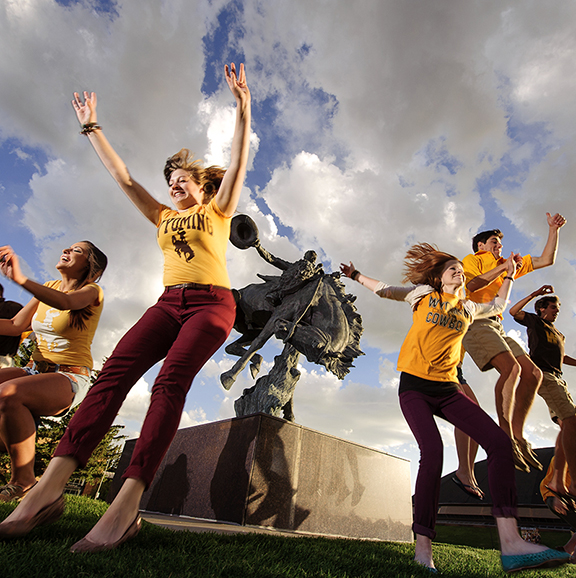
194	244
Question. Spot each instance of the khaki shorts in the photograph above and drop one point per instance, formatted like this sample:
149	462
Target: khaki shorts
554	392
485	339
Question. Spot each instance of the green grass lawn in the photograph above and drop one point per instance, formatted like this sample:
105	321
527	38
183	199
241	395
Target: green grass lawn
158	552
487	537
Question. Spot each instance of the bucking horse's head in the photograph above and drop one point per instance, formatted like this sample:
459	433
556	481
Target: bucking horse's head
330	334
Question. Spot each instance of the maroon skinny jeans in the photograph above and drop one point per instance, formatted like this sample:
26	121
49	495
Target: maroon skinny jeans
186	327
419	410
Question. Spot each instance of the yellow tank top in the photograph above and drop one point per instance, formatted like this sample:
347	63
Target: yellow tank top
57	341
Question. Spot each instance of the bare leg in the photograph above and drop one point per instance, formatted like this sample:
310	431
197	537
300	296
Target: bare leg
558	479
530	380
46	491
473	452
464	472
568	433
6	374
509	370
21	452
570	546
466	448
22	398
511	542
423	551
120	515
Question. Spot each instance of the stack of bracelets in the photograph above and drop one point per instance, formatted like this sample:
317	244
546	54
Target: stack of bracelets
90	127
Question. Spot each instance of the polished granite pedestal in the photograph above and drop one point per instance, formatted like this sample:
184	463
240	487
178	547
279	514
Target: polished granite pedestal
264	471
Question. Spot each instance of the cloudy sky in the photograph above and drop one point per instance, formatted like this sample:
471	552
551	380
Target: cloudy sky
376	124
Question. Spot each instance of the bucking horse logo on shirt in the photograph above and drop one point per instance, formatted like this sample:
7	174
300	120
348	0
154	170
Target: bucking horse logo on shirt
181	246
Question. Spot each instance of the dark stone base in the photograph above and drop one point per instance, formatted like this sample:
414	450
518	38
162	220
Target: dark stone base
263	471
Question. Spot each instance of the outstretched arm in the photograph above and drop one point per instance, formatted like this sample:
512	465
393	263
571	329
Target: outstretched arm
506	287
10	267
86	113
21	321
516	309
269	258
229	192
355	275
555	223
484	279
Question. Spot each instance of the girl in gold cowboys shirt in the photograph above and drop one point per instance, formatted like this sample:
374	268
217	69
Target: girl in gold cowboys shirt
191	320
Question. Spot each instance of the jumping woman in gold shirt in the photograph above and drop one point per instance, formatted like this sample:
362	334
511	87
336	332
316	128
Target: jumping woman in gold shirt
185	327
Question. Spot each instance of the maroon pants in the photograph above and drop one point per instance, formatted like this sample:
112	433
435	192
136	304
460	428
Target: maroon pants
419	410
186	327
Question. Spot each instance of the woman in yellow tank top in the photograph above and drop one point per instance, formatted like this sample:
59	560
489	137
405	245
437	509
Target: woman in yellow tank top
64	315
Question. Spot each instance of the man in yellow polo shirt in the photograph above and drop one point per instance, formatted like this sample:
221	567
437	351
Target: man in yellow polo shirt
488	344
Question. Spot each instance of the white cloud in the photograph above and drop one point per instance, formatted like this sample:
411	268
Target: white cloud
21	154
193	417
137	401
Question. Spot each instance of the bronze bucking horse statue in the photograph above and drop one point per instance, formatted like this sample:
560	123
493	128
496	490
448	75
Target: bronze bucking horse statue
304	307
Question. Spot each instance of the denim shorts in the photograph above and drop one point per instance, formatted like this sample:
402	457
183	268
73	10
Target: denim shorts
80	384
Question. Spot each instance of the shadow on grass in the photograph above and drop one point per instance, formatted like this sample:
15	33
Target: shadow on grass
159	553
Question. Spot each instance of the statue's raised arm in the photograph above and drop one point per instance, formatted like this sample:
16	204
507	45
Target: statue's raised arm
269	258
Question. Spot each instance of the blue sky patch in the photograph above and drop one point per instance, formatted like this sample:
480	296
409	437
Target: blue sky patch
220	46
436	154
108	7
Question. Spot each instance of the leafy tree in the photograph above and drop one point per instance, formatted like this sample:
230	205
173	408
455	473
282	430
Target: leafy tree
104	458
24	353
